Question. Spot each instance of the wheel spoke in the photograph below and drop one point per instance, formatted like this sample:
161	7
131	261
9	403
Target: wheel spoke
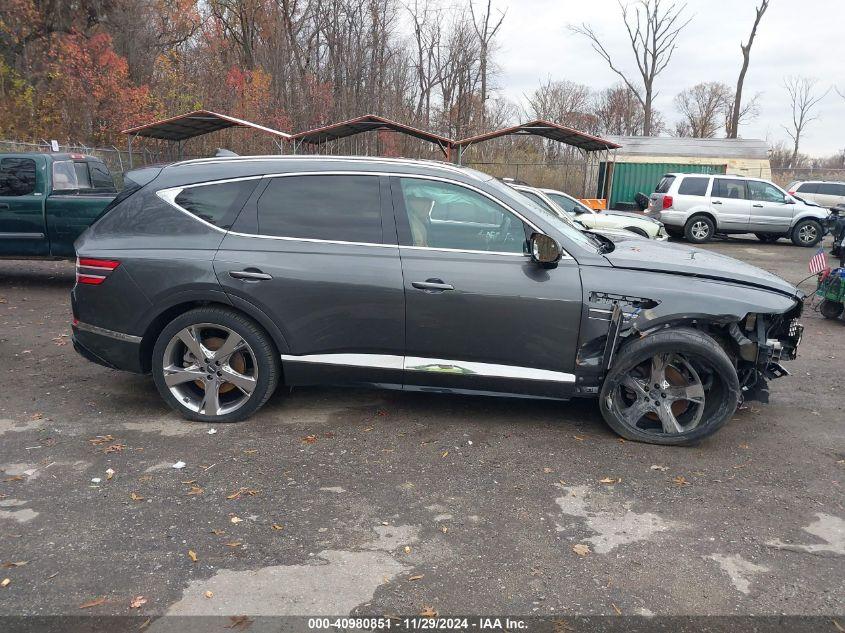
174	375
668	420
658	369
636	385
232	344
692	393
241	381
211	400
190	336
636	411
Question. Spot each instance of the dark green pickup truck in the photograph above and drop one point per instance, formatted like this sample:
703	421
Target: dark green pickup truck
48	200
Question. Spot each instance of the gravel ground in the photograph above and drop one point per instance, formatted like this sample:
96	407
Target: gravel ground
351	501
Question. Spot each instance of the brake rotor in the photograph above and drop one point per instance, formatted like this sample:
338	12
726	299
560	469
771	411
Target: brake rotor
236	361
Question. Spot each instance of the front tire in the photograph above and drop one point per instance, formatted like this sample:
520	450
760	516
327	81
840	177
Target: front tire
214	364
807	233
672	388
699	229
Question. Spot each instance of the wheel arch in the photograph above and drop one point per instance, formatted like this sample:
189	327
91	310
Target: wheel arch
710	215
639	231
167	313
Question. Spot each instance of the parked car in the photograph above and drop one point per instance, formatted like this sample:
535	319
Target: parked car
633	222
823	193
540	198
48	200
698	206
227	277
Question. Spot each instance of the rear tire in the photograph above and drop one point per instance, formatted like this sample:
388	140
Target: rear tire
831	309
214	364
807	233
672	388
699	229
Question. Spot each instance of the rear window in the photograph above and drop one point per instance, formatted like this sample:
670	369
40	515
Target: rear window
216	203
728	188
336	208
808	187
692	186
101	178
831	189
664	184
17	176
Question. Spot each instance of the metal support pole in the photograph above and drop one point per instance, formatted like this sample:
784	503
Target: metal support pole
129	143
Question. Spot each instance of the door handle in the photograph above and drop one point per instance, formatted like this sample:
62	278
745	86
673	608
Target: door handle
249	275
435	285
717	202
758	205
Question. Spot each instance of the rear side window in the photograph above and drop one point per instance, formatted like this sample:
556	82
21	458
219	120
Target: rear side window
808	187
728	188
664	184
17	176
694	186
831	189
336	208
216	203
100	176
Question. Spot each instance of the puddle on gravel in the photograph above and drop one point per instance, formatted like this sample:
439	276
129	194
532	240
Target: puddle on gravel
613	521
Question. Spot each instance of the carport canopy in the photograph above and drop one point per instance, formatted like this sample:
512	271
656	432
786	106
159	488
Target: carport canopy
196	123
546	129
368	123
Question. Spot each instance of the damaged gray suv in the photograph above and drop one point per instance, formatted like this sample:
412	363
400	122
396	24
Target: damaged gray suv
227	277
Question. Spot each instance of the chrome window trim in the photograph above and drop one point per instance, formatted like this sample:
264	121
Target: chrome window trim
169	195
433	365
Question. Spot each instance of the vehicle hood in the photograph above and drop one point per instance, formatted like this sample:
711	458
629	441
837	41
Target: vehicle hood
677	259
629	214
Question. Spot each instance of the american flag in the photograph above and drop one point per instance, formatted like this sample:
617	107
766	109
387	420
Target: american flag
819	262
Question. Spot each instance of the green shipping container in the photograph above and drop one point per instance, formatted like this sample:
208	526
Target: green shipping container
630	178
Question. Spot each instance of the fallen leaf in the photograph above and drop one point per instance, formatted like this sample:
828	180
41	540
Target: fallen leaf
136	497
547	470
660	468
96	602
236	519
217	532
444	453
680	480
428	612
444	529
114	448
407	549
617	609
309	439
192	555
36	416
109	473
242	491
14	478
209	594
137	602
239	622
276	526
610	480
417	577
190	482
234	544
581	549
101	439
368	429
195	490
5	582
15	564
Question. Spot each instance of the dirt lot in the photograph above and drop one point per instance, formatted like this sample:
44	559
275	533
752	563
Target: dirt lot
350	501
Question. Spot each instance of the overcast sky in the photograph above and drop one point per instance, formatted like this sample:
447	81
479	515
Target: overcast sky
796	37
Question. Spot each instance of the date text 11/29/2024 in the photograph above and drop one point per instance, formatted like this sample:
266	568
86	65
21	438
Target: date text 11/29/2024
417	623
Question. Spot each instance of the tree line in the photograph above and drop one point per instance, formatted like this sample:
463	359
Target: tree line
84	69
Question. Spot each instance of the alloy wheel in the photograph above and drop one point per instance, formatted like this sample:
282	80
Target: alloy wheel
663	395
700	230
807	234
210	369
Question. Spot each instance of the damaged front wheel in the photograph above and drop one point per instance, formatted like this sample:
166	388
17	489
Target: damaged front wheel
672	387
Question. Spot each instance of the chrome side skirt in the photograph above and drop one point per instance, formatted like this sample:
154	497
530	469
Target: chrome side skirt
433	365
120	336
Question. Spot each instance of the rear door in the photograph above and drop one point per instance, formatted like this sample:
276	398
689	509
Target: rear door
830	194
769	209
730	204
22	222
480	314
317	254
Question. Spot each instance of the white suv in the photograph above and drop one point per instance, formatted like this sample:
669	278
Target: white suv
697	206
826	194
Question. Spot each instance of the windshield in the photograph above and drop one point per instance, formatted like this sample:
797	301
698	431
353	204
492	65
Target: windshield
563	226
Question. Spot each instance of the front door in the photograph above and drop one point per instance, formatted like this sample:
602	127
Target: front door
310	251
22	229
729	201
770	212
480	314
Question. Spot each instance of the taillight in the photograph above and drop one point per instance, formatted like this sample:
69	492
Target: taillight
791	193
94	271
667	201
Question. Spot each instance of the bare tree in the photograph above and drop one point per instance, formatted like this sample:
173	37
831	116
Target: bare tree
618	111
803	98
653	31
485	29
702	108
564	102
737	110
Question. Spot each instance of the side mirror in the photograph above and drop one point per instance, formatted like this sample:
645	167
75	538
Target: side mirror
789	200
545	250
